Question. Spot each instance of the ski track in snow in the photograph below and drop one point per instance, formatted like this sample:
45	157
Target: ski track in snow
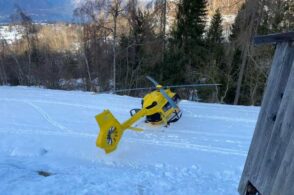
38	109
206	147
46	116
50	102
224	119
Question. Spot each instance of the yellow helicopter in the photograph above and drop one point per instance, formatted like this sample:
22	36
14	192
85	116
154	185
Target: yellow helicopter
159	107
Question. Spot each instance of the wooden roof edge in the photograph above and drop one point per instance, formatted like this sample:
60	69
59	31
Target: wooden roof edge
274	38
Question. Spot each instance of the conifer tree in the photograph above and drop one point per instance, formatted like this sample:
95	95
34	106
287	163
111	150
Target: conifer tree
214	37
215	30
215	70
189	29
186	44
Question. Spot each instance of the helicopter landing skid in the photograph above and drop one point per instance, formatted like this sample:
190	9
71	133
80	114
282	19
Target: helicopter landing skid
175	117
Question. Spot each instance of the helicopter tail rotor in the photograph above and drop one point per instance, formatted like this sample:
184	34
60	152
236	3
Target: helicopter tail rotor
111	131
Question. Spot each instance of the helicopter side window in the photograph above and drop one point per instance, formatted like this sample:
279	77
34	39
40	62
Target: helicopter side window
152	105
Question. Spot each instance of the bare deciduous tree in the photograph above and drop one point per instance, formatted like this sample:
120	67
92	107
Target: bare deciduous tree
115	8
251	16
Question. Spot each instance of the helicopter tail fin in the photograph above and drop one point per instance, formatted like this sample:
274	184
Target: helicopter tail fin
111	131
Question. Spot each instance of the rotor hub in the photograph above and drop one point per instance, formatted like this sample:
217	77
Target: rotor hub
112	135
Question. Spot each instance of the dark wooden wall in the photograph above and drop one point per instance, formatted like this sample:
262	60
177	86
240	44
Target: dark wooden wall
270	163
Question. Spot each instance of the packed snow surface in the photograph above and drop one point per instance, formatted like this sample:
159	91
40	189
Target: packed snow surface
54	132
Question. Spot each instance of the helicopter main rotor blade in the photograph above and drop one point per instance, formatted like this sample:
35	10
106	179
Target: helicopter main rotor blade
161	90
136	89
165	87
171	101
192	85
143	88
152	80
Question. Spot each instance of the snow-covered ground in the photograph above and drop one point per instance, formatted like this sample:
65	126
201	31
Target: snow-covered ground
55	132
10	33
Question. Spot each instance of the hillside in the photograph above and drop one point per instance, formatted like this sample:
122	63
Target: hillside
62	10
227	7
52	133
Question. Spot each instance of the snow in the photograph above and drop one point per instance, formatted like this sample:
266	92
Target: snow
10	33
55	132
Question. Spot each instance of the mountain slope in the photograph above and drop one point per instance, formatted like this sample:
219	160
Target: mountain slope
45	10
50	131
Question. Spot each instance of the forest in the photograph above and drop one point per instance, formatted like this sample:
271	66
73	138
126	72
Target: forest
115	44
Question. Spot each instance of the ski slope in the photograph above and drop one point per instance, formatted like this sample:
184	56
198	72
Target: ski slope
55	132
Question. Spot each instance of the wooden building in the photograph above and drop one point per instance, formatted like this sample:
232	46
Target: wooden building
269	168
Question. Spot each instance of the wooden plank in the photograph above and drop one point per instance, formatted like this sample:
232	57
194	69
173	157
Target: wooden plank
281	133
281	78
284	179
274	38
270	105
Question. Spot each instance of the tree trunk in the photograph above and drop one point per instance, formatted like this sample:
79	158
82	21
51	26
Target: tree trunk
241	75
3	75
249	28
114	50
164	28
89	83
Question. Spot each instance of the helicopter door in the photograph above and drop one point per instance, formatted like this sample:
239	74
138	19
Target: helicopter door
153	118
